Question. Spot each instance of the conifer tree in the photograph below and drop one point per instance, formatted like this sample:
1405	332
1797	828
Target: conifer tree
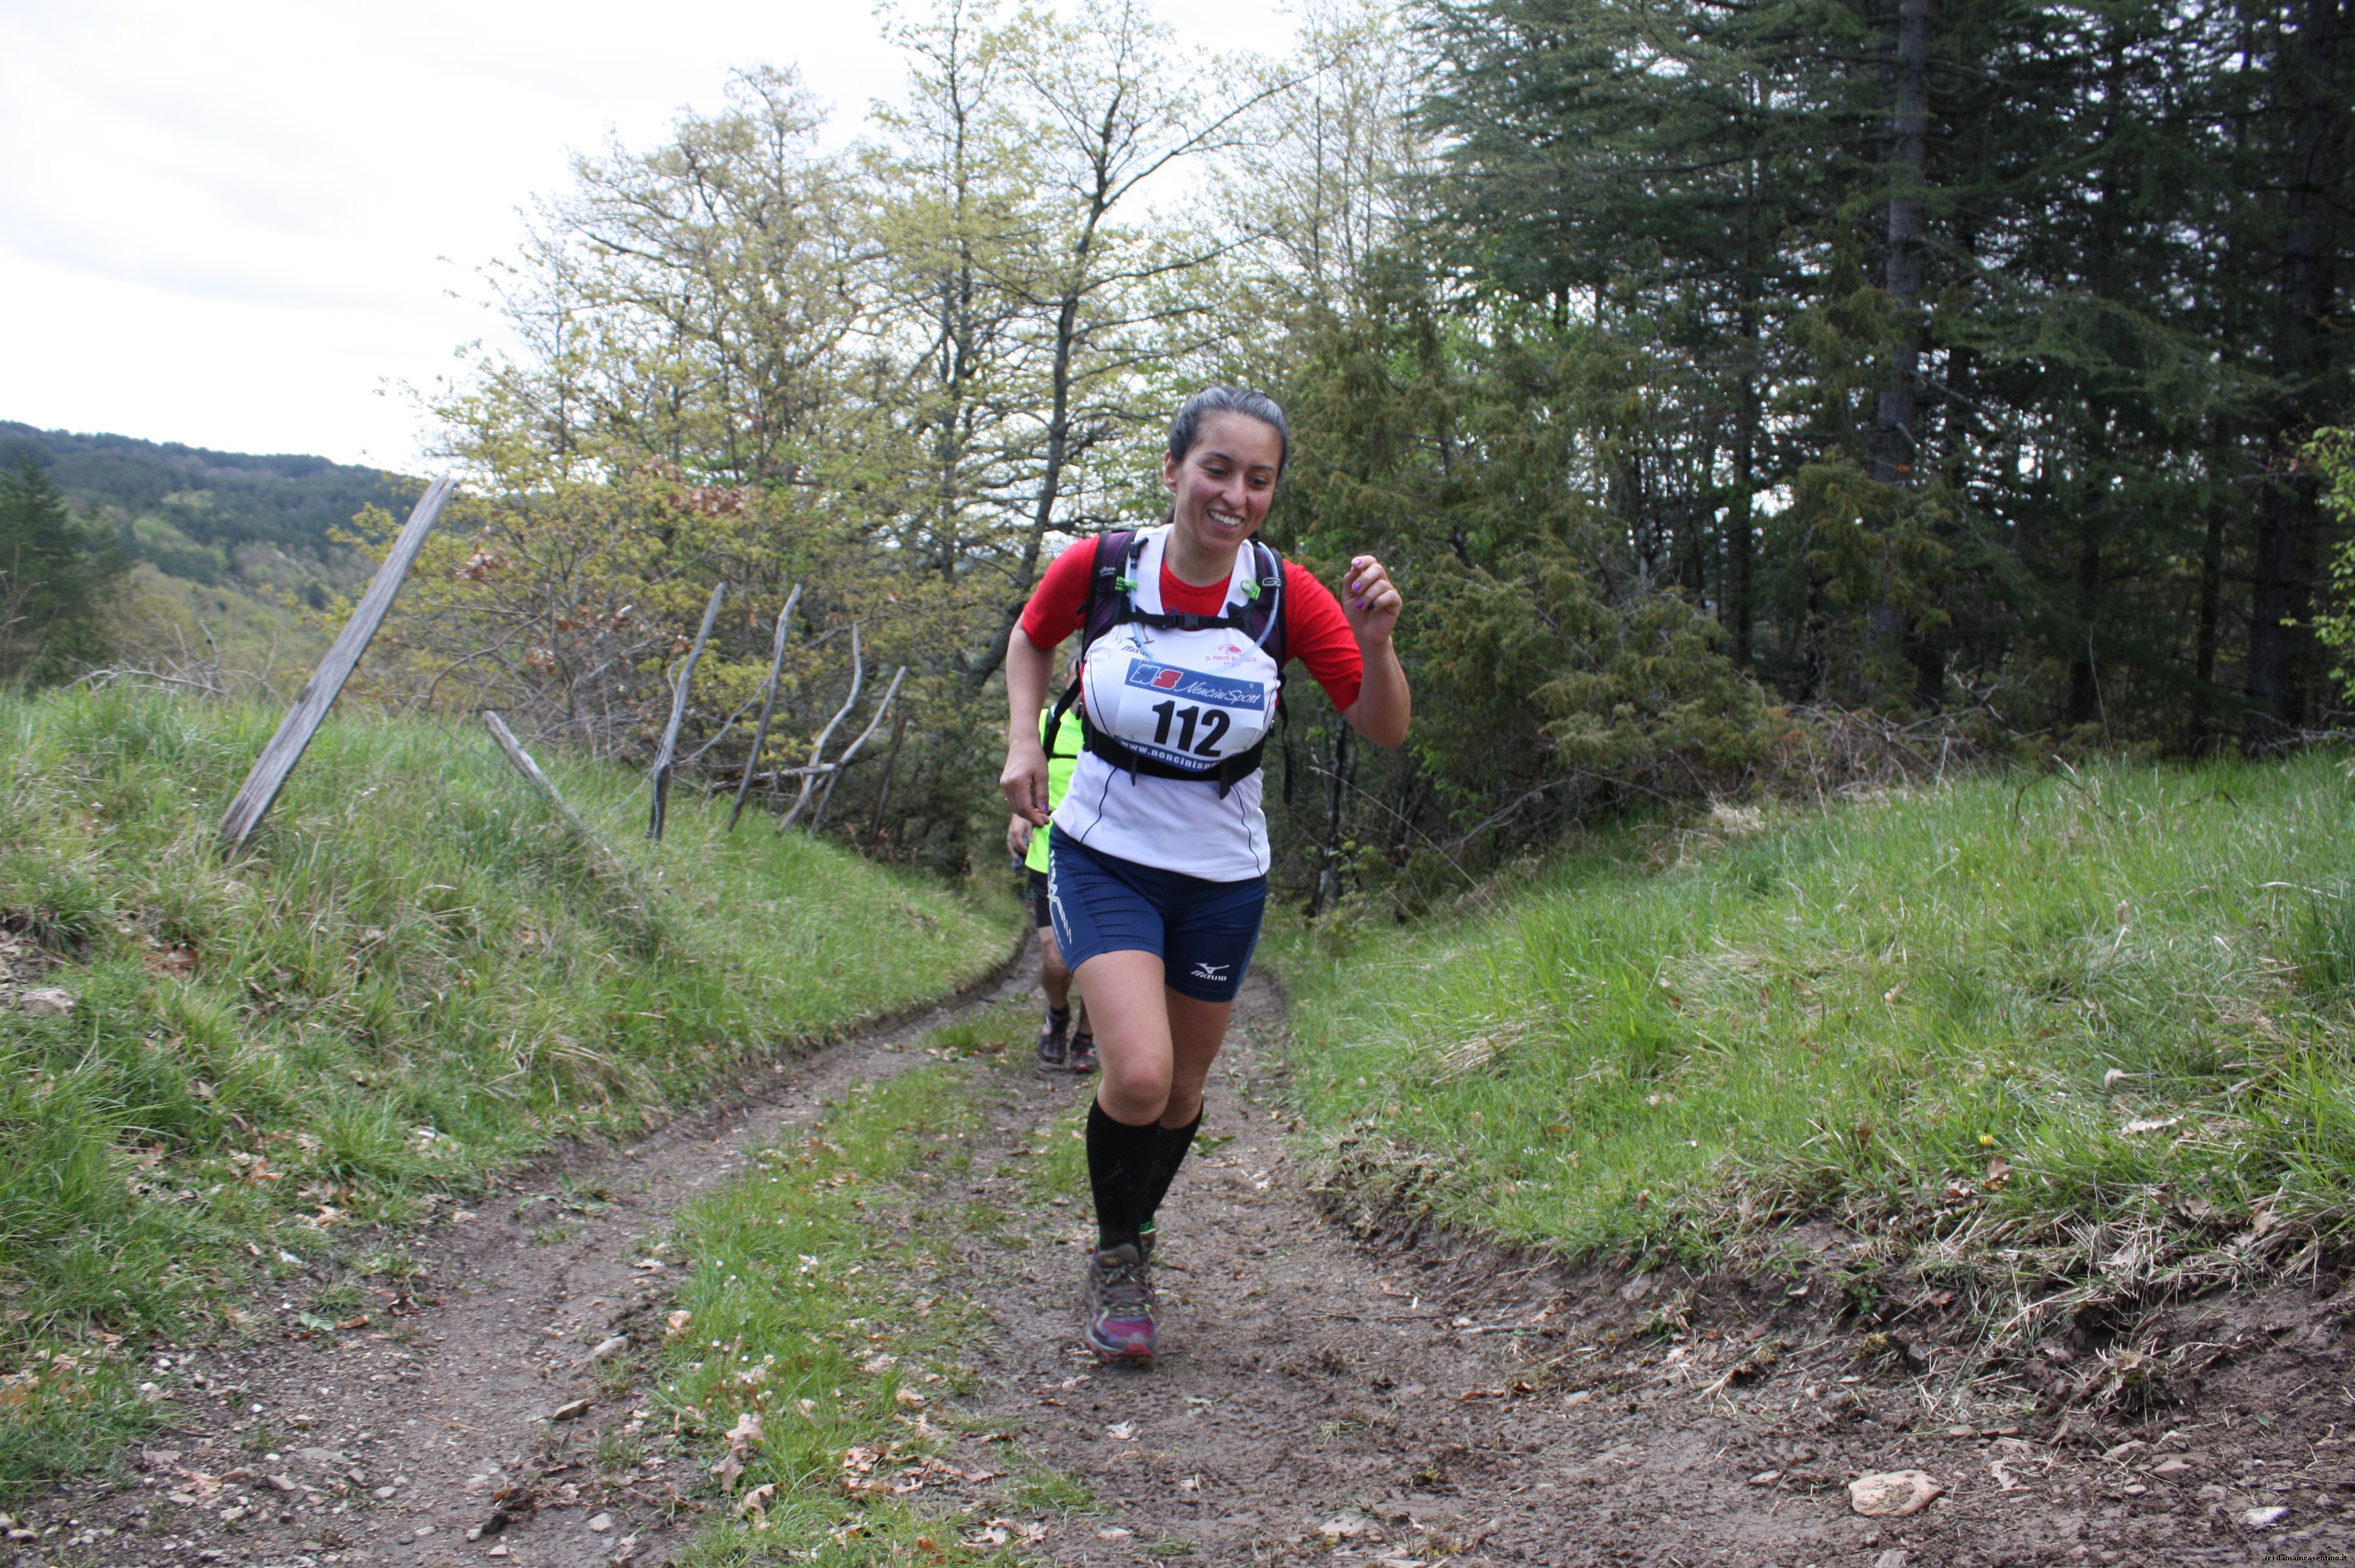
53	576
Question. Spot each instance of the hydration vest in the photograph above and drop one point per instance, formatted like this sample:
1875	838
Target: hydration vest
1256	615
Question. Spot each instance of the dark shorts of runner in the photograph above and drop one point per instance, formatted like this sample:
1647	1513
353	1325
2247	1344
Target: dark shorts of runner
1040	917
1203	932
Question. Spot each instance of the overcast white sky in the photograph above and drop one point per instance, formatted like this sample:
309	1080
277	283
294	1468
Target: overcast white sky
238	223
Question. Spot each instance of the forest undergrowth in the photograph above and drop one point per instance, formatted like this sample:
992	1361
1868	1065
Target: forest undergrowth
214	1075
2046	1039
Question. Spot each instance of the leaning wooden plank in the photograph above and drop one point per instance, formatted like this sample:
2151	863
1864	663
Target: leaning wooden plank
768	703
604	863
528	768
678	712
319	693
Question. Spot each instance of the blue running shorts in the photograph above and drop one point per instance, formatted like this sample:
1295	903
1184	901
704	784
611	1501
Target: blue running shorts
1203	932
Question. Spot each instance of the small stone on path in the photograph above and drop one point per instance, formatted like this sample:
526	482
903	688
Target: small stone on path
1892	1493
2260	1517
602	1523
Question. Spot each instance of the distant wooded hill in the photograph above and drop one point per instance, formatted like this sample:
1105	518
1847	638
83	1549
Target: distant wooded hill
219	519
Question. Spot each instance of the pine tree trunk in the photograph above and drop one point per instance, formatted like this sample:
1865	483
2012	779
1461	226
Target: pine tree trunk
1891	451
1337	800
2289	520
2206	637
1737	519
2084	688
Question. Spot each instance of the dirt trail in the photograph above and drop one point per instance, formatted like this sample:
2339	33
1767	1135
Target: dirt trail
392	1444
1324	1402
1321	1401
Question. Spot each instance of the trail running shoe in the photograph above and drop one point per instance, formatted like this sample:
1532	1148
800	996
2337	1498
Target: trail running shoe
1120	1305
1081	1057
1053	1048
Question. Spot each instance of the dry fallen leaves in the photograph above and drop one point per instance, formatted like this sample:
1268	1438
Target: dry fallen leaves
740	1438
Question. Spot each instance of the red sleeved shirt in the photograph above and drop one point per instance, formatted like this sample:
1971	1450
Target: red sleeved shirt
1315	632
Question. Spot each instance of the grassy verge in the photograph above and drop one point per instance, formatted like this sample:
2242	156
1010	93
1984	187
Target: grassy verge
821	1314
417	975
2054	1038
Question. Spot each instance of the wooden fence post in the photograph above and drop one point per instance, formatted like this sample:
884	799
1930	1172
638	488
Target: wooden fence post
817	752
851	750
679	712
768	704
319	693
890	768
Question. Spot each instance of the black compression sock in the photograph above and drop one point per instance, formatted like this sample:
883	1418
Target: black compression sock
1121	1163
1170	1144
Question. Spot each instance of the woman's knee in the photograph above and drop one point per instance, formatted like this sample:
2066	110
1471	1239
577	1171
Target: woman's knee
1134	1091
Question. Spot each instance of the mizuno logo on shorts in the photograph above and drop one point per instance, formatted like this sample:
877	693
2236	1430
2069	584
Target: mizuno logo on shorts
1210	971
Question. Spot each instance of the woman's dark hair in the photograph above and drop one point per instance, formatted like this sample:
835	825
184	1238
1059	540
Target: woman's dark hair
1186	430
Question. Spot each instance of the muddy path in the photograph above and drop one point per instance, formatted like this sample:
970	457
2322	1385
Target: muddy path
470	1404
1325	1402
1322	1400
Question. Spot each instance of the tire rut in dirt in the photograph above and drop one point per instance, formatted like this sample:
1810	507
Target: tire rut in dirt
396	1442
1320	1401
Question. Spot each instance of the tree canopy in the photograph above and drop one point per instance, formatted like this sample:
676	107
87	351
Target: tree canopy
1692	365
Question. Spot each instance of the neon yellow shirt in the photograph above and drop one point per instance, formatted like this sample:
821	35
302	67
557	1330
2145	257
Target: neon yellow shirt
1063	757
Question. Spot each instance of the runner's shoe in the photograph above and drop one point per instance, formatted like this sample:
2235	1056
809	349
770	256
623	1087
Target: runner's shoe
1054	1049
1082	1058
1120	1305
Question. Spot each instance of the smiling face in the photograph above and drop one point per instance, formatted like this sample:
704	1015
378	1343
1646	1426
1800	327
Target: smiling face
1221	489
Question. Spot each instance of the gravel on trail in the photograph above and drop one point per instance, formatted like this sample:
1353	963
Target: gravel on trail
1324	1397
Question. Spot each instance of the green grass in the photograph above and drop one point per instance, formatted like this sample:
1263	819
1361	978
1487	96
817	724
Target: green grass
819	1303
2007	1028
417	975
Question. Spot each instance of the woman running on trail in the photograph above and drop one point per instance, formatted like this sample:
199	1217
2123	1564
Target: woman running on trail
1160	863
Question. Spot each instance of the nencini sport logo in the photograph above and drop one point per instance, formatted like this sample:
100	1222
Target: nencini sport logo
1219	690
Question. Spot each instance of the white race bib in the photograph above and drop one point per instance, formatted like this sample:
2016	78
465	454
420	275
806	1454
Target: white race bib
1186	700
